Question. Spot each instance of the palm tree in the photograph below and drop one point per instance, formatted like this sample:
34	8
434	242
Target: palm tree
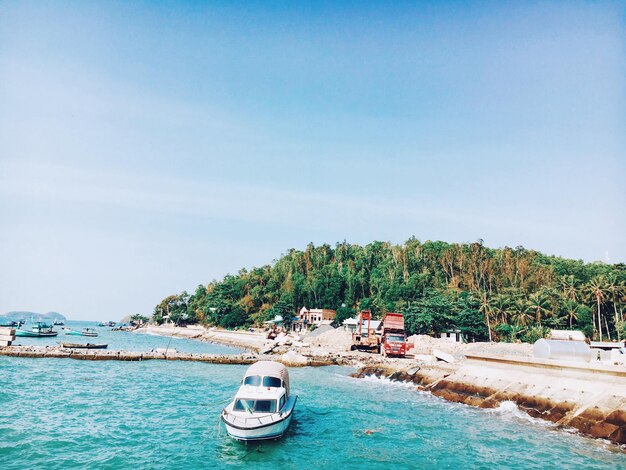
540	304
571	309
614	289
486	310
499	307
521	313
597	292
622	299
568	287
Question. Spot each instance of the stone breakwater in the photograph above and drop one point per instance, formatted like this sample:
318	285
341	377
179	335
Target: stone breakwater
289	359
590	399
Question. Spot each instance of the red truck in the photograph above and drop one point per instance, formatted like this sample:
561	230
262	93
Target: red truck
393	341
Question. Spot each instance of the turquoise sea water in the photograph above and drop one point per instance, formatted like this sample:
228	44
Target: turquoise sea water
124	340
59	413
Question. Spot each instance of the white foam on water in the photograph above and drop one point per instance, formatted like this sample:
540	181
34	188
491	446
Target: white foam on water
388	382
509	409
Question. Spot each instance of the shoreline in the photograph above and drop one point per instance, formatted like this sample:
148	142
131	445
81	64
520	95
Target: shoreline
590	398
592	401
254	342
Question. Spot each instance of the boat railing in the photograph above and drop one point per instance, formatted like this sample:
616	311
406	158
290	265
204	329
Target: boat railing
271	418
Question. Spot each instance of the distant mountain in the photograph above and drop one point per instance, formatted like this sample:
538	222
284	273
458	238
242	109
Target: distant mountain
23	315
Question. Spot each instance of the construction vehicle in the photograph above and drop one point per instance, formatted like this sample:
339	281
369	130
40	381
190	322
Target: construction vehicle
393	340
365	337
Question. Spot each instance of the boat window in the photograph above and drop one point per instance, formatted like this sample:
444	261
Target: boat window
271	382
244	405
265	406
254	380
282	402
259	406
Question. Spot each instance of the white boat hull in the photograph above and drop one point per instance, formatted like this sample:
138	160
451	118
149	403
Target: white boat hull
268	426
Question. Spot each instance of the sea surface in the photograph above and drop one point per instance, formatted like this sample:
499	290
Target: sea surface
62	413
124	340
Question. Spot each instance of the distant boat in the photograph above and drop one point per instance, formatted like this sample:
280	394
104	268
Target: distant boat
85	332
58	323
38	330
83	346
263	407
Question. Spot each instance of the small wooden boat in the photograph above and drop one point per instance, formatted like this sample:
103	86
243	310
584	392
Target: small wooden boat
83	346
263	407
85	332
38	330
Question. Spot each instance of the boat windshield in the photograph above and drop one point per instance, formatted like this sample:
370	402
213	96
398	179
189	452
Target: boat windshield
254	380
258	406
271	382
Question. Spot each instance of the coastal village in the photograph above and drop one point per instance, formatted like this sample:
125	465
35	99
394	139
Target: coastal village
565	378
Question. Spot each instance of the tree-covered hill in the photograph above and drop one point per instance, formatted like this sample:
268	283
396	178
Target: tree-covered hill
507	293
24	315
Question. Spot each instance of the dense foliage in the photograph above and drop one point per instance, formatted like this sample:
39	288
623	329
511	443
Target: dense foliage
506	294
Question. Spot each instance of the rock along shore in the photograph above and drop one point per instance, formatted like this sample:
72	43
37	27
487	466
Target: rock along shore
590	399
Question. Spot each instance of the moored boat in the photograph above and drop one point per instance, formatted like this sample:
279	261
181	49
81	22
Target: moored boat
85	332
83	346
262	407
38	330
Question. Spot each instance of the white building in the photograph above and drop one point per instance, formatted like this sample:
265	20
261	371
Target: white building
454	336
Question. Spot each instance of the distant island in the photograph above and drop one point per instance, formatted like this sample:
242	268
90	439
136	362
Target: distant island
33	316
501	294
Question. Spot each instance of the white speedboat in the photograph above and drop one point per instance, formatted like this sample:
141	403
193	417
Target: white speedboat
262	407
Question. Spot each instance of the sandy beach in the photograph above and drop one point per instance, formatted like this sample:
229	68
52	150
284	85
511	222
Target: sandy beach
241	339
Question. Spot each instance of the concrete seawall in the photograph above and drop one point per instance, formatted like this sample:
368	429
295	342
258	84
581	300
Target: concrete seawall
591	399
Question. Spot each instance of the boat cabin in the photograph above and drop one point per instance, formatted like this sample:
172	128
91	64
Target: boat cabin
267	374
264	389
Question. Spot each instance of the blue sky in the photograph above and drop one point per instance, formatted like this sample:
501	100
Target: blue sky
149	147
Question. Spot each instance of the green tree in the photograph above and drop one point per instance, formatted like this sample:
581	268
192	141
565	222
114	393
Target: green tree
138	318
343	313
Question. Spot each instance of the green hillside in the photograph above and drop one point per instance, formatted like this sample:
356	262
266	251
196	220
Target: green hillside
508	293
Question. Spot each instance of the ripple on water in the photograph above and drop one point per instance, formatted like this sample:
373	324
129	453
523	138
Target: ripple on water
162	415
